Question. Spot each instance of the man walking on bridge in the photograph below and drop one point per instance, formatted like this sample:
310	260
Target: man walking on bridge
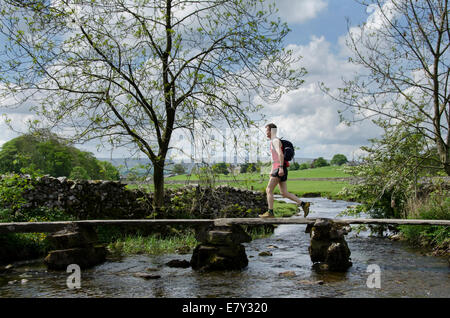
279	173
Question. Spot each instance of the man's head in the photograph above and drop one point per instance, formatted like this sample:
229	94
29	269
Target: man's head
271	130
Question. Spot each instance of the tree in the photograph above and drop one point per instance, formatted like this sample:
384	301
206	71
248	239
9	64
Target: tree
319	162
220	168
132	72
338	160
79	173
405	53
51	156
178	169
304	166
294	166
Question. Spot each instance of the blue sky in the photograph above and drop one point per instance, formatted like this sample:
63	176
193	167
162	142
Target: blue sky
305	116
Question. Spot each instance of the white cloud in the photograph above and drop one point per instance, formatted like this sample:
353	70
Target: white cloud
300	11
308	117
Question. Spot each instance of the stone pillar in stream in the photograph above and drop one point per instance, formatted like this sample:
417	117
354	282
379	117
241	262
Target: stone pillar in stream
220	248
75	245
328	248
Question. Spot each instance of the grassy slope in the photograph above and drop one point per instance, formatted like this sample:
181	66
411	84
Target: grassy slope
299	187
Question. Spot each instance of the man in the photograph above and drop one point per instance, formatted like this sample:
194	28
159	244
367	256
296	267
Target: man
279	173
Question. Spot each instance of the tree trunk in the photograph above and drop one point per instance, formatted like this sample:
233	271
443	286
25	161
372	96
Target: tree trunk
158	182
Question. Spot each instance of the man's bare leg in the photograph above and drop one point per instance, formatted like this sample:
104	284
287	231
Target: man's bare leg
273	181
286	194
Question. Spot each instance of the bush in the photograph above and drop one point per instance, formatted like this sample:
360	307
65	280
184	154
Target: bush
338	160
437	207
294	166
220	168
304	166
178	169
319	162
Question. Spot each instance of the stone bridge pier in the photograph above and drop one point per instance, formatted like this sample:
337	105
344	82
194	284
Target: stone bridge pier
220	247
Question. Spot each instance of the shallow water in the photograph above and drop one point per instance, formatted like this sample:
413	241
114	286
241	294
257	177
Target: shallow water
405	272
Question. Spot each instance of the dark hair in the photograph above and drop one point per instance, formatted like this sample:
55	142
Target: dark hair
271	125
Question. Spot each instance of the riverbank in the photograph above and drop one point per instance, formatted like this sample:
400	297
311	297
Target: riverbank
405	272
184	241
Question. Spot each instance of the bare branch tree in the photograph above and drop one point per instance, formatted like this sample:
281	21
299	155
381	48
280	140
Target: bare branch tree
404	50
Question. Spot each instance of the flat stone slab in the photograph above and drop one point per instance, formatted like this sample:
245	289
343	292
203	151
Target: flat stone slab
85	257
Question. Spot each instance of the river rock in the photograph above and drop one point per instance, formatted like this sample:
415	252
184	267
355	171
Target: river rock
265	253
179	263
210	258
146	276
328	246
83	257
287	274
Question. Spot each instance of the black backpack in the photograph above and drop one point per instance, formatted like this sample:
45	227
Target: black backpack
288	150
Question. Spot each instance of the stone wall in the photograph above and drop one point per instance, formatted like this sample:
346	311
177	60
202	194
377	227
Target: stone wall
111	200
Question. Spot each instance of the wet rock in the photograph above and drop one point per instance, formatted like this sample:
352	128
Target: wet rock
272	246
6	269
152	269
24	281
69	239
83	257
146	276
287	274
328	246
395	237
178	263
12	282
265	253
209	258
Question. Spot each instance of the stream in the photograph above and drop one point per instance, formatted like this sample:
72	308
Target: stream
404	271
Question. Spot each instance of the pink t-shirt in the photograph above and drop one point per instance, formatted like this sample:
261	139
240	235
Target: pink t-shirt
275	157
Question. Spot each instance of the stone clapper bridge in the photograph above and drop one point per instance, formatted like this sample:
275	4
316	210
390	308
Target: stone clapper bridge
220	240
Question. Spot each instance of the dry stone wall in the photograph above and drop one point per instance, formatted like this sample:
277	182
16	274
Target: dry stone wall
96	199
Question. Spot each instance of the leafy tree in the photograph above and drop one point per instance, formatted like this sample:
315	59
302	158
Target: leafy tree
108	171
134	71
304	166
79	173
51	156
220	168
178	169
338	160
294	166
248	168
319	162
389	174
404	53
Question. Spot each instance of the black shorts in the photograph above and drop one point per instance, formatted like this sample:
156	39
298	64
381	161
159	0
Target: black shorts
283	178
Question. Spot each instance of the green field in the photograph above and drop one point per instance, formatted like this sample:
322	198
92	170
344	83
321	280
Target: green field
327	188
322	172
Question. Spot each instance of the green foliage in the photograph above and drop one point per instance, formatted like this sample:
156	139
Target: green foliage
304	166
79	173
221	168
248	168
53	157
388	174
294	166
338	160
437	207
178	169
319	162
